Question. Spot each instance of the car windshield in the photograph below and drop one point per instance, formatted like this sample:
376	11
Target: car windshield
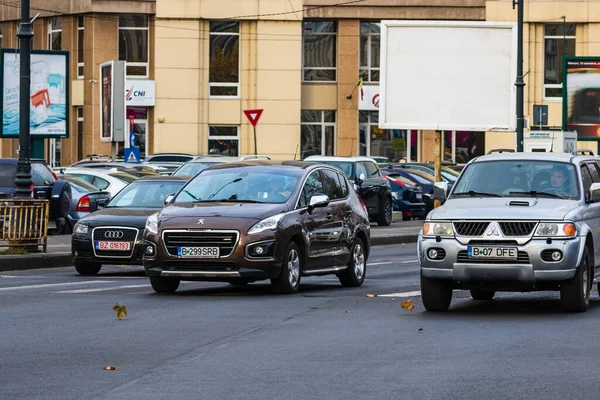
512	178
124	177
79	184
243	184
145	194
191	169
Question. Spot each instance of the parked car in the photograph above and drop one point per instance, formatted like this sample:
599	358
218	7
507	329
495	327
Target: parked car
422	179
407	197
109	182
86	199
250	221
46	185
368	182
113	234
515	222
448	174
381	160
133	169
169	161
200	163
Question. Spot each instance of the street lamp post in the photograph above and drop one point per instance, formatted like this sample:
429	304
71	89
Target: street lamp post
520	83
23	180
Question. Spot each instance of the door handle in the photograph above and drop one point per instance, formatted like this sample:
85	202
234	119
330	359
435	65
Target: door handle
329	216
349	213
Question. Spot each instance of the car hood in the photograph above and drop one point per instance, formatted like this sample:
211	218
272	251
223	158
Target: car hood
121	216
189	214
507	208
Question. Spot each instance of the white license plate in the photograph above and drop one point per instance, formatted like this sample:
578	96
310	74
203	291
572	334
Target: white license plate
500	253
419	196
122	246
198	252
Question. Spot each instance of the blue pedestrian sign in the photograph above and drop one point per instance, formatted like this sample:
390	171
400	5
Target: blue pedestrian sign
132	155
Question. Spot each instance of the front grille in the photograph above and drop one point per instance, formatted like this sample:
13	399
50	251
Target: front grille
463	258
471	228
492	242
195	265
517	228
114	235
224	240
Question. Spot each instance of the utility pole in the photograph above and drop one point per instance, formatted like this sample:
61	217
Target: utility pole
23	180
520	84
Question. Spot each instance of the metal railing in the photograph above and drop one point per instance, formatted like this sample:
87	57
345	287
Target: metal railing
24	223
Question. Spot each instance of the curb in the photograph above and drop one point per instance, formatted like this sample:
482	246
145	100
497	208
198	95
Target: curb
35	261
64	259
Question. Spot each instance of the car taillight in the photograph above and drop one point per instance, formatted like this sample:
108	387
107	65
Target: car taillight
362	203
84	204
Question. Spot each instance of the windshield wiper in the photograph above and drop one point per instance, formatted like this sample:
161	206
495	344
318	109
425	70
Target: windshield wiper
533	193
474	193
229	201
191	195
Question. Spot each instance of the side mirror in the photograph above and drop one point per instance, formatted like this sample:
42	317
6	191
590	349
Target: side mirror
318	201
440	191
169	198
361	177
595	193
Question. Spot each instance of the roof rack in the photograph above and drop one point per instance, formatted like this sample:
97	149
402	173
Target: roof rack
500	151
583	152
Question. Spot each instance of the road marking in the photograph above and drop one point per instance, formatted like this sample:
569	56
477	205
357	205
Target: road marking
404	294
48	285
76	291
408	262
379	263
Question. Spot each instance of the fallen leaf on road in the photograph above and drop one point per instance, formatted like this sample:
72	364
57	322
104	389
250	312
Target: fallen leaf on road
407	304
420	329
347	312
110	368
371	295
121	311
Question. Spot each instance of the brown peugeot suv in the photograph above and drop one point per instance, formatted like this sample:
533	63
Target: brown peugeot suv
255	220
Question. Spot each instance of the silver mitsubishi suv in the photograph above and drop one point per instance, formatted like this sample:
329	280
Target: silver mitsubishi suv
515	222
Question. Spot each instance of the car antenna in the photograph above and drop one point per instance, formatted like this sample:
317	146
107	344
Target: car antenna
296	152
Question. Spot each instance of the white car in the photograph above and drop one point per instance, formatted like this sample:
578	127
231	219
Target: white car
111	182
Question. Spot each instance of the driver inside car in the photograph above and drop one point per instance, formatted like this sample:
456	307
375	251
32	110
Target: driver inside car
558	180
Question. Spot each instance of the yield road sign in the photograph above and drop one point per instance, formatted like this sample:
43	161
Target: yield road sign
253	116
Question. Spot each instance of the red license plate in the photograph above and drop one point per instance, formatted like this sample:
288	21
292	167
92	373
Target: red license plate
123	246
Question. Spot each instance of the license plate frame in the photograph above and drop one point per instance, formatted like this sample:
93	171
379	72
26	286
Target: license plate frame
104	245
199	252
493	252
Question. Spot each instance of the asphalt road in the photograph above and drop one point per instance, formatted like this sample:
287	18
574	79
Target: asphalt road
212	341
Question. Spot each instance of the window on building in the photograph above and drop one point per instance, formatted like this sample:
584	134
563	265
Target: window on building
377	142
317	133
80	46
370	49
554	50
134	44
224	74
80	135
319	51
55	33
223	140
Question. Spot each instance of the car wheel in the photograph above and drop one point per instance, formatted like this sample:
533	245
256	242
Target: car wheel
164	285
354	274
436	294
477	294
575	293
385	213
88	268
288	280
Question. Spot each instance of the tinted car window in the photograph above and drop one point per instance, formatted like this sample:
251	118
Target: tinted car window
79	184
345	166
331	184
343	185
8	173
41	174
146	194
593	171
587	178
169	159
312	186
372	170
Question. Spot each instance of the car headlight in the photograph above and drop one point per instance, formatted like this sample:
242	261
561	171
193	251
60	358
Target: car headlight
438	229
80	229
266	224
556	229
152	223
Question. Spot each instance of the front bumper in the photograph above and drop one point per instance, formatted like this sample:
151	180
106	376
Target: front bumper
82	249
534	270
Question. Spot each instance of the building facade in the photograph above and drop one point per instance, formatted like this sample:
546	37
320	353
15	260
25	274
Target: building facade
194	66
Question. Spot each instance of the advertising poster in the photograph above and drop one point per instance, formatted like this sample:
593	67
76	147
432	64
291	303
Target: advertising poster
49	94
106	100
581	96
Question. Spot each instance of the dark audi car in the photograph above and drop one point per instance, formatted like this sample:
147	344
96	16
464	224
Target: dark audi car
248	221
113	235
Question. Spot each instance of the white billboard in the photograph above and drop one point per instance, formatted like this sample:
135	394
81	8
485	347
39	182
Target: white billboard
448	75
49	94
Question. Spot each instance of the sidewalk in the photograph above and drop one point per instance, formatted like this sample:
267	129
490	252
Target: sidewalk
59	247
